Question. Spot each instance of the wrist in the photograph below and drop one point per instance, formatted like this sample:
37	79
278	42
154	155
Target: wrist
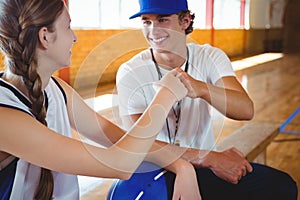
198	158
207	160
180	165
170	94
203	90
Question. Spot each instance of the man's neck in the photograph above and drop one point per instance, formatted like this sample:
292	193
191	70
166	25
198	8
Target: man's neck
170	60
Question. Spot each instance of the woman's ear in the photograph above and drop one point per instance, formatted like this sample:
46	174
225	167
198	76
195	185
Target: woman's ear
43	37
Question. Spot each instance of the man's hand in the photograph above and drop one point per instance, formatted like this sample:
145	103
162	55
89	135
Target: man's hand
195	87
173	84
229	165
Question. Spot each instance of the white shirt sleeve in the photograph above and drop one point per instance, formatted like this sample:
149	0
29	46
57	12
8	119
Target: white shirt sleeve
219	64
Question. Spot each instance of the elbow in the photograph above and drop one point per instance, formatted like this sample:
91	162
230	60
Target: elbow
250	115
119	174
124	176
246	113
249	111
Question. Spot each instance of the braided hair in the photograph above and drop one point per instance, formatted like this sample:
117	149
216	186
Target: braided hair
20	22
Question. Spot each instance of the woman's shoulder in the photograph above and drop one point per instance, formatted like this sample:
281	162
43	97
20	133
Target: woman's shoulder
12	98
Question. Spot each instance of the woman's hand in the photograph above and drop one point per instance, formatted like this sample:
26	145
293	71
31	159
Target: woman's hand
186	185
171	82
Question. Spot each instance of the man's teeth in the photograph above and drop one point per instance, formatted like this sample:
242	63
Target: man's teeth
159	39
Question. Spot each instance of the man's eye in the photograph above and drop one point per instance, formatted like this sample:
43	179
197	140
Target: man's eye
163	20
146	22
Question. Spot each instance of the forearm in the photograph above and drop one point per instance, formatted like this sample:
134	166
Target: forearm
169	158
166	155
232	103
135	144
163	154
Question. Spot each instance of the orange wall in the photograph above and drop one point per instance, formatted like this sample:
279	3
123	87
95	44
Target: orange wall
97	54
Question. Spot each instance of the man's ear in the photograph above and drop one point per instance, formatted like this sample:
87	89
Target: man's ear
43	35
186	21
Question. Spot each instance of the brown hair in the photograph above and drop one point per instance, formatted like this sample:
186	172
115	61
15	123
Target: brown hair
20	22
183	14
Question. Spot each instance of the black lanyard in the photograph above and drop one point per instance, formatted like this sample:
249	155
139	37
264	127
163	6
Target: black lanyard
176	111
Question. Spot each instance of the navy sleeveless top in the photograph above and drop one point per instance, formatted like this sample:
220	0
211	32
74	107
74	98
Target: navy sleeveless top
7	176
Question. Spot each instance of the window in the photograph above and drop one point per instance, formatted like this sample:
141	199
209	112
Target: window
127	10
103	14
84	15
247	13
114	14
266	14
227	14
199	8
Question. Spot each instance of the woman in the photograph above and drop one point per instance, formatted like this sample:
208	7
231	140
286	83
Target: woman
39	159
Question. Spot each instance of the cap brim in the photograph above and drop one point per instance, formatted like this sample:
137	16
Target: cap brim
155	11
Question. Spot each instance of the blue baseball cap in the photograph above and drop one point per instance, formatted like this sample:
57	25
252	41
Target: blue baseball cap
161	7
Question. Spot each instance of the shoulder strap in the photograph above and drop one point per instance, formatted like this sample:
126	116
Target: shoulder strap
61	89
16	93
4	163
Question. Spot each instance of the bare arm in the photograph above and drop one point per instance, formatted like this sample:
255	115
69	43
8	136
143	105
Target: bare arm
173	159
228	96
229	165
132	147
35	143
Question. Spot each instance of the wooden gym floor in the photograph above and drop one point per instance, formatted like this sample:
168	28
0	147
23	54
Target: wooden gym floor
274	87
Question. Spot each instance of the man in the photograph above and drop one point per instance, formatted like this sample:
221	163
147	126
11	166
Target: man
167	37
211	82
